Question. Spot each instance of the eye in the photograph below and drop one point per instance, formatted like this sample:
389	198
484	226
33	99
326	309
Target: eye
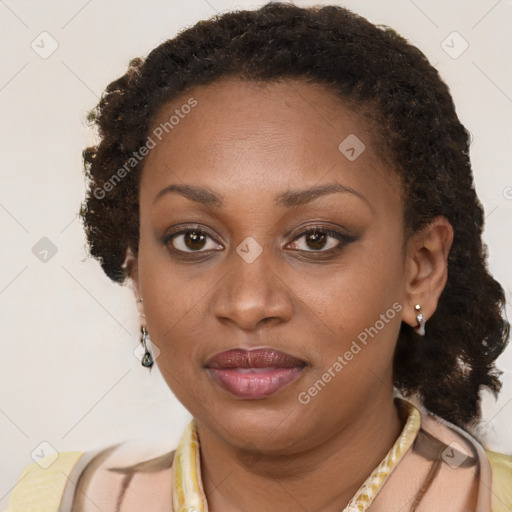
191	240
317	240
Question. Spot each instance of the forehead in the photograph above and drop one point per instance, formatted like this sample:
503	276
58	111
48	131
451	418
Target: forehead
262	138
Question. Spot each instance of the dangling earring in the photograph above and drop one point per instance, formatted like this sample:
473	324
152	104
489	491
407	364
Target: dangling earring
420	328
147	358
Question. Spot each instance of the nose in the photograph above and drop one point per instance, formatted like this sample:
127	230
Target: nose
252	294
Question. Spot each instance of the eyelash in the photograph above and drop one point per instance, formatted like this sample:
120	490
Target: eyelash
343	238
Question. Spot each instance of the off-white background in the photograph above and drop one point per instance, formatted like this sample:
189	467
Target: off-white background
68	373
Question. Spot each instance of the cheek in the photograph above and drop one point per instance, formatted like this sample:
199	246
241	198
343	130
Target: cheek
168	293
365	284
359	307
170	307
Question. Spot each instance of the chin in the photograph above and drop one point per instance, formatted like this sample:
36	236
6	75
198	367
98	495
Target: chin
258	425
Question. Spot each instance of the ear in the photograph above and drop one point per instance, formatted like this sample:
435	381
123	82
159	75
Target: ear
131	263
426	268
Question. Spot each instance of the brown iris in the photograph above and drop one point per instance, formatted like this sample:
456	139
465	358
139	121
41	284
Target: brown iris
194	240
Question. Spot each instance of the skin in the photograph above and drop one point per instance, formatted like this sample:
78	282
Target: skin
248	143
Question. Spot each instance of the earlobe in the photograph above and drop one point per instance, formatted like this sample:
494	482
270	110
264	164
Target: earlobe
427	271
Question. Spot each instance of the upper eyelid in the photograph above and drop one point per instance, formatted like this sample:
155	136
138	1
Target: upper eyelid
302	232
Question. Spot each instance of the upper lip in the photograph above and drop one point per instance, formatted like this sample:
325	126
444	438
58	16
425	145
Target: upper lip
254	358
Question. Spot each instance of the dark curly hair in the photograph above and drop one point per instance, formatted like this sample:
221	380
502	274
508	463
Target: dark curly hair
390	82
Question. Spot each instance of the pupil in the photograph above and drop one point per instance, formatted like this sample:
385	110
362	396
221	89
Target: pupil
192	238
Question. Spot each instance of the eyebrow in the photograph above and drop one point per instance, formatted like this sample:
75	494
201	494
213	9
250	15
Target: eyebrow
288	199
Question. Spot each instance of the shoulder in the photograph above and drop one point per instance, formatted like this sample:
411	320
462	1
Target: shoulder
95	480
494	470
134	477
41	485
463	464
501	481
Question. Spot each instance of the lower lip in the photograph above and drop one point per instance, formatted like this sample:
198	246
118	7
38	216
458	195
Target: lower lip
253	383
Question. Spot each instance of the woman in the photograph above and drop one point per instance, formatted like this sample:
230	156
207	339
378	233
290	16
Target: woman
290	193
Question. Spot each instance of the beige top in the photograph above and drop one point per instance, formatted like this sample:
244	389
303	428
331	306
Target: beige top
441	468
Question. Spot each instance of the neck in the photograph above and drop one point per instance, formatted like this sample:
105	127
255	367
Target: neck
322	479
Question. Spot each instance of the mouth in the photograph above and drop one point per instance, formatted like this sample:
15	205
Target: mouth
254	374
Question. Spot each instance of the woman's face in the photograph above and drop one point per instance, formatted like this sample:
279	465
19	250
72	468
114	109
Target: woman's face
224	262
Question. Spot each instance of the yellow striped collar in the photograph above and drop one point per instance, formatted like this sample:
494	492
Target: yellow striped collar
187	486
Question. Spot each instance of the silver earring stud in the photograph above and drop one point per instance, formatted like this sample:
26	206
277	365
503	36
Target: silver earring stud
420	328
